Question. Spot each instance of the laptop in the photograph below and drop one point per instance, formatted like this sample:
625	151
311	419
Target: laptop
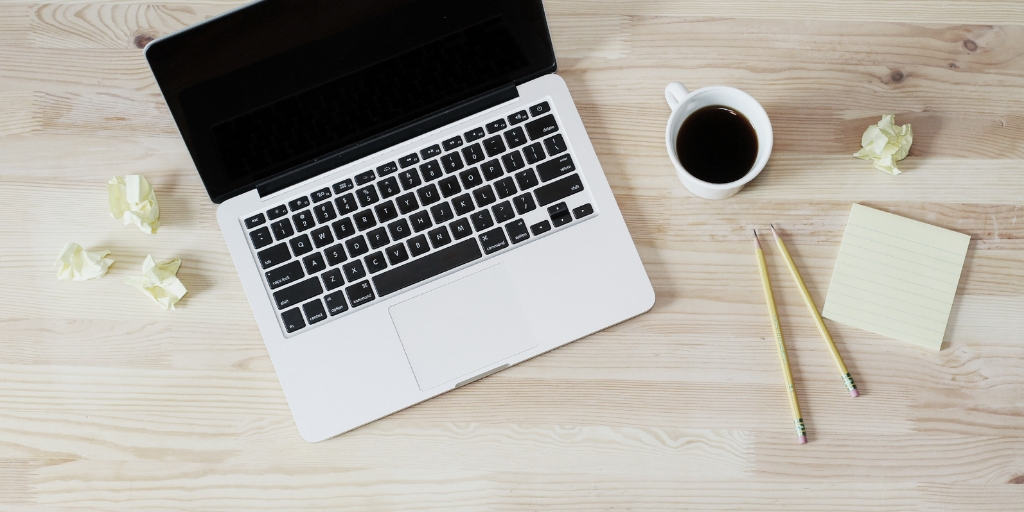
406	190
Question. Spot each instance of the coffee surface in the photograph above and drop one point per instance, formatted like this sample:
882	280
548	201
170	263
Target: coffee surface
717	144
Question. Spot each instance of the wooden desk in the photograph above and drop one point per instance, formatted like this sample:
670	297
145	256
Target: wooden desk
109	403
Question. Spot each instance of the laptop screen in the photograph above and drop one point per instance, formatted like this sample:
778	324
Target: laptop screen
281	83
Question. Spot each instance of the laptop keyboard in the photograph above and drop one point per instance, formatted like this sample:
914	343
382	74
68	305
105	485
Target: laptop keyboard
460	200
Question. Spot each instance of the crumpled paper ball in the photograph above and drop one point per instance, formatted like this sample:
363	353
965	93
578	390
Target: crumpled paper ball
133	201
885	144
78	264
160	282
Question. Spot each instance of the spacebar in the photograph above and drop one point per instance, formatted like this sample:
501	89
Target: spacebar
427	267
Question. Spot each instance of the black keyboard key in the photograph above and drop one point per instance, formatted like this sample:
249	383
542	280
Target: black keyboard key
505	187
365	177
429	266
320	195
335	302
420	221
542	127
298	293
397	254
385	211
494	145
558	209
314	263
470	178
484	195
430	152
503	211
513	161
275	255
284	274
452	162
335	254
474	134
562	219
496	126
407	202
261	237
517	231
322	236
388	187
540	227
353	270
452	143
481	220
524	203
359	293
463	204
277	212
255	220
460	228
418	245
364	220
303	221
558	190
378	237
556	167
582	211
431	171
314	311
429	194
332	279
300	245
442	213
472	154
375	262
526	179
324	212
491	169
292	320
343	186
386	169
518	117
409	179
534	153
408	160
399	229
515	137
343	228
449	186
439	237
555	144
346	203
299	203
282	229
540	108
367	195
493	241
356	246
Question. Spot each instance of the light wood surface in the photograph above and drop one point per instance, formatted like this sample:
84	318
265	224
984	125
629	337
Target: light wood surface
109	403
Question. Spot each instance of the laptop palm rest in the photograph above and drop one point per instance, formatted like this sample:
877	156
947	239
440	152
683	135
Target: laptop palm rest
463	329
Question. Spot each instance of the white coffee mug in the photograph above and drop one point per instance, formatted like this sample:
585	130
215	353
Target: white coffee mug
684	103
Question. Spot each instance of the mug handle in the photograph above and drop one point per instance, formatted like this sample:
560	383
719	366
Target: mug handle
675	92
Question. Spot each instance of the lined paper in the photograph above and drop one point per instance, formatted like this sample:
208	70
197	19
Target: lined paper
896	277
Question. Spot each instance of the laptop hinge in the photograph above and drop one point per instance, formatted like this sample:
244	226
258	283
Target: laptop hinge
385	140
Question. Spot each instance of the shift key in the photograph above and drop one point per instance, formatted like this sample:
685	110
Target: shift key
297	293
558	190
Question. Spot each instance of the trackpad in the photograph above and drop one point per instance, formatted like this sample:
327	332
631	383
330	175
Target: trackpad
464	328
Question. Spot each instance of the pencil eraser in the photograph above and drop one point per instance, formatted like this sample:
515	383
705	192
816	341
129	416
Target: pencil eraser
802	439
854	393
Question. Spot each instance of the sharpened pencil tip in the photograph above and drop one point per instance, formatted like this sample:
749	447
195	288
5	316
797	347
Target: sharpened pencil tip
773	229
757	242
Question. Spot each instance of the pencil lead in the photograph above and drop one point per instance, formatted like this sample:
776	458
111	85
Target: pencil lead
756	241
776	233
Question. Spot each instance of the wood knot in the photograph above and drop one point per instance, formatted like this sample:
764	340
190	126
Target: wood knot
896	76
970	45
142	40
1019	479
953	65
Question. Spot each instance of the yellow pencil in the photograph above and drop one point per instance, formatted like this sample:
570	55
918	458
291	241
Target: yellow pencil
847	379
798	420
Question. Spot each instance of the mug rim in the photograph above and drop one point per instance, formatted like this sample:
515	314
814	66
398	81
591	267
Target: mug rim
753	172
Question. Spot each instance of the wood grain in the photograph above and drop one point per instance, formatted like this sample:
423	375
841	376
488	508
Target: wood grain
108	403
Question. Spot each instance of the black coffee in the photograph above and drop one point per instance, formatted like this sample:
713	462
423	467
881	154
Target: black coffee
717	144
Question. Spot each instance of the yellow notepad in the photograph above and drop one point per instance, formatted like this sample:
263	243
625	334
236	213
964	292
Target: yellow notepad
896	277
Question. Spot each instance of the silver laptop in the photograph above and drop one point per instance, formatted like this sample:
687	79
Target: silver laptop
406	190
